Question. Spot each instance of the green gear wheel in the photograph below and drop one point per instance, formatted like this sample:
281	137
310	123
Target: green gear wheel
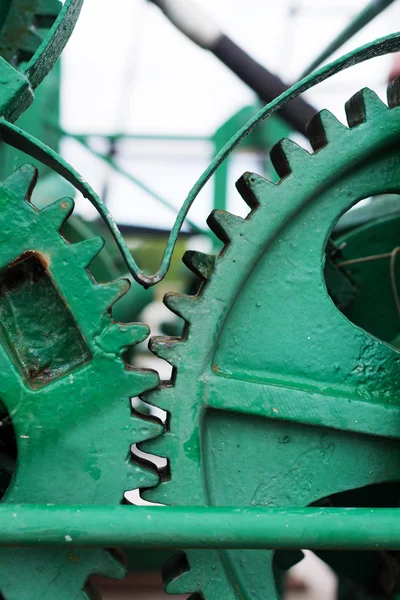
22	23
66	387
276	398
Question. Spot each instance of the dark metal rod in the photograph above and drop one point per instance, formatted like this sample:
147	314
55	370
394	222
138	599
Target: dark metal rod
266	85
188	17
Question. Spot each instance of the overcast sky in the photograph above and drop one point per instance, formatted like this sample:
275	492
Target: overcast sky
127	69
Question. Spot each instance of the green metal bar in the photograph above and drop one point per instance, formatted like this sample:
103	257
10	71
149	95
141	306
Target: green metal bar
50	49
145	188
200	527
367	14
4	9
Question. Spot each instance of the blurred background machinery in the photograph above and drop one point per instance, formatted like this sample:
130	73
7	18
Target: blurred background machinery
254	317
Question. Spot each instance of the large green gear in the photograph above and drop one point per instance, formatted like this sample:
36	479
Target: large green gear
65	386
277	399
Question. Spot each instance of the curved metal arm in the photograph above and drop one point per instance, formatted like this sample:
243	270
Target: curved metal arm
49	51
33	147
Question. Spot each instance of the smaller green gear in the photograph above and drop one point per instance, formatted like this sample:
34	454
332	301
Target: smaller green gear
65	386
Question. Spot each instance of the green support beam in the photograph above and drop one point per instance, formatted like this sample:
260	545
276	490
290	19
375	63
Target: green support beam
200	527
363	18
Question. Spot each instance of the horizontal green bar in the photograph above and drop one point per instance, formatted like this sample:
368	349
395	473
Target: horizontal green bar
200	527
140	136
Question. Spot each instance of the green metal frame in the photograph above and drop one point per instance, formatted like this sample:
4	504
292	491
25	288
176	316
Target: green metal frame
197	527
200	527
33	147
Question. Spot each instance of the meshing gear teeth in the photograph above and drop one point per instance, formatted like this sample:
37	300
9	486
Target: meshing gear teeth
276	398
199	263
66	387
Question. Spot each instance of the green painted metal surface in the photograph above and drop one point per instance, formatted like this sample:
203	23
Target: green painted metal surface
65	385
33	34
226	527
284	401
261	139
35	120
107	266
281	396
23	27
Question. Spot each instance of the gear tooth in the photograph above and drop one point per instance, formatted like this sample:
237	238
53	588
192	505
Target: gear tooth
111	566
178	577
145	428
89	592
138	331
362	106
186	583
113	291
324	128
140	476
119	336
393	93
147	381
253	188
87	250
49	7
246	186
160	397
47	12
199	263
225	225
167	492
58	212
181	304
287	156
167	348
22	181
